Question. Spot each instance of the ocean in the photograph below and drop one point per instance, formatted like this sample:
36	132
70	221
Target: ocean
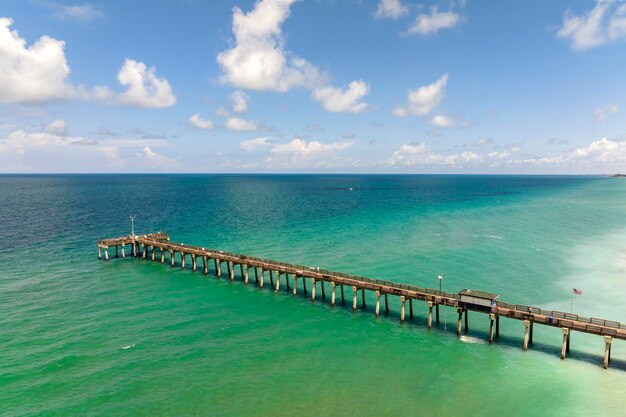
82	337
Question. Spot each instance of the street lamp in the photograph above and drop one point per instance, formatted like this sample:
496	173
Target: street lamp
132	226
440	278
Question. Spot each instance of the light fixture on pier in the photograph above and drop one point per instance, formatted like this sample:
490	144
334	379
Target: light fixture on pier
132	226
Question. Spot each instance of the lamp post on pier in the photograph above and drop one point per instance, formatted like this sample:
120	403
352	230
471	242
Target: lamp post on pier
132	226
440	278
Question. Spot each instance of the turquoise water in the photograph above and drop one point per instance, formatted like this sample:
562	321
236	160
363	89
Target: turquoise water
80	337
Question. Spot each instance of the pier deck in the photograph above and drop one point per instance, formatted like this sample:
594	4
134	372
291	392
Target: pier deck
147	245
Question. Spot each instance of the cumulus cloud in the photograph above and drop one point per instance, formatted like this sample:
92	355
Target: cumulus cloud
421	155
423	100
336	100
33	74
39	74
78	13
222	112
152	159
303	147
239	101
598	155
602	113
143	87
57	127
433	22
447	122
259	61
242	125
391	9
198	122
604	23
254	144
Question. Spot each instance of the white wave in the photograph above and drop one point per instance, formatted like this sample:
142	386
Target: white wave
129	346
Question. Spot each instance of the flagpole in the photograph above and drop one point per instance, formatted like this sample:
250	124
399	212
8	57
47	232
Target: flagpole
571	306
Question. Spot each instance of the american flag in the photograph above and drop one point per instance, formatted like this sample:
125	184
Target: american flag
577	291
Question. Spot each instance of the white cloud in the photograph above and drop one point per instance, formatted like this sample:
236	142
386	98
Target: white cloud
254	144
336	100
239	101
258	60
483	141
302	147
39	74
79	13
242	125
144	88
423	100
602	113
200	123
57	127
604	23
428	24
391	9
222	112
148	158
420	155
447	122
33	74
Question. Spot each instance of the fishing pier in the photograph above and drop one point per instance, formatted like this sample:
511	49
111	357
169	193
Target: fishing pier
157	246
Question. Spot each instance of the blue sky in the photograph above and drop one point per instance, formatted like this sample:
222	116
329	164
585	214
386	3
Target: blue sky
313	86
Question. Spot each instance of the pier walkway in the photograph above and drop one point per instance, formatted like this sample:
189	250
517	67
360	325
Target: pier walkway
147	246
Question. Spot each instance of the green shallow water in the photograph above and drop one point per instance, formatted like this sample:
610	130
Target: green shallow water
131	337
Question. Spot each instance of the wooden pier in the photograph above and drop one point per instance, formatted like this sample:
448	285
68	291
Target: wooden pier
147	246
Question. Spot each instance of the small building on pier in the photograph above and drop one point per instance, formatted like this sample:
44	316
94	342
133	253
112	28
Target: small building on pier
477	300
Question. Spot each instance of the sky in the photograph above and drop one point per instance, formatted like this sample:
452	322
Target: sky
328	86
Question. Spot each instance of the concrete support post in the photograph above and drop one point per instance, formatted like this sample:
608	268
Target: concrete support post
437	313
295	284
363	298
304	284
182	260
323	290
256	274
387	303
333	294
241	266
116	252
356	292
313	289
565	331
172	258
458	324
530	334
123	251
411	308
106	254
231	271
245	275
497	326
343	295
277	281
377	303
218	268
99	253
492	318
430	314
607	351
262	273
145	250
526	333
271	278
569	335
466	326
205	265
194	264
403	301
287	281
153	250
162	254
